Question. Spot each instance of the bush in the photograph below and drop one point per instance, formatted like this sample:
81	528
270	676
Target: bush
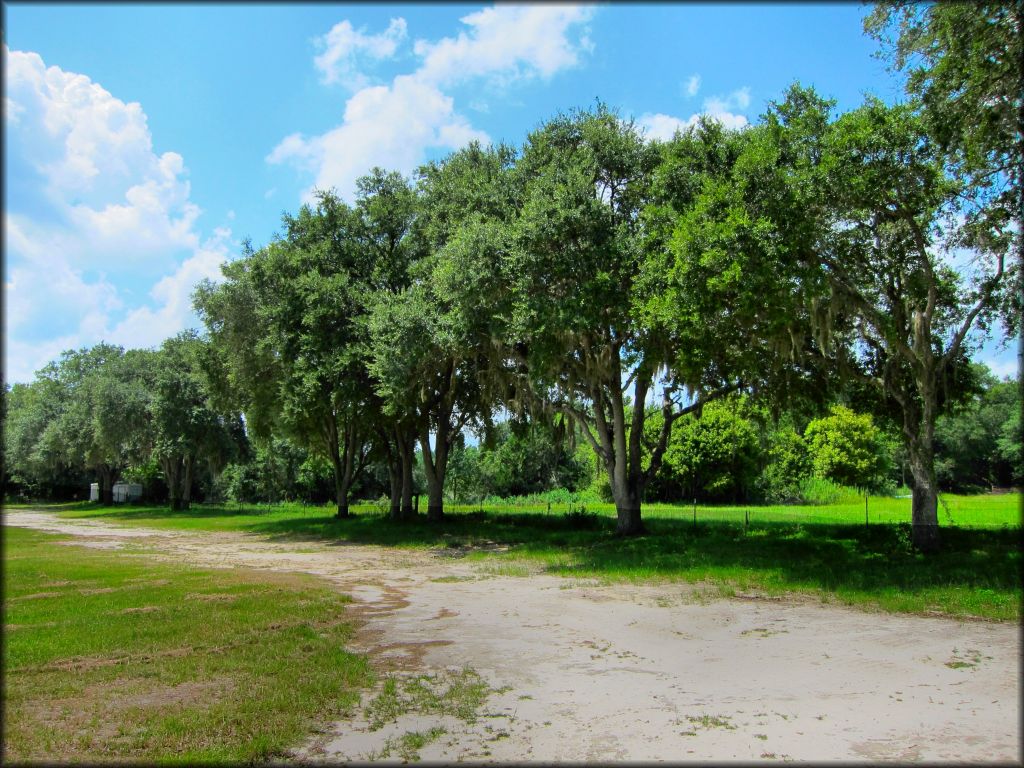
847	448
788	465
713	457
579	519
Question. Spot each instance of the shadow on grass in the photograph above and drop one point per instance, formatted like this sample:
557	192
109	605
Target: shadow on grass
830	557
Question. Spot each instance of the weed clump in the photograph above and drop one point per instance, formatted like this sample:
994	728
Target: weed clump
579	519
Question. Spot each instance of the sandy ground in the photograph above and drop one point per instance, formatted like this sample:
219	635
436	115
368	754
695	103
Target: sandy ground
648	673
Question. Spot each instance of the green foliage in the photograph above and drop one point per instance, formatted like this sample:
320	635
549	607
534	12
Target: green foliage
847	448
962	65
517	461
786	465
287	326
713	457
33	467
979	445
97	415
530	462
1009	444
186	429
278	471
719	283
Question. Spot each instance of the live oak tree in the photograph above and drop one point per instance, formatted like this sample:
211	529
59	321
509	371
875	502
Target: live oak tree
186	428
565	296
100	422
422	365
35	465
287	325
430	346
887	209
964	67
389	235
718	285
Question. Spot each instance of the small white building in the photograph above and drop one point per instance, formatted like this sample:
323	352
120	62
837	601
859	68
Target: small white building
123	492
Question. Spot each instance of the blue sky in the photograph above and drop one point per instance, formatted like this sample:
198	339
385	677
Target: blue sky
144	142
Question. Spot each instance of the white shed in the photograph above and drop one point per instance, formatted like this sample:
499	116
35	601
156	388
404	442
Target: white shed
127	492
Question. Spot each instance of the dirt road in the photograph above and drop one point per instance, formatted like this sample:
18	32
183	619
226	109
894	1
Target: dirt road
604	673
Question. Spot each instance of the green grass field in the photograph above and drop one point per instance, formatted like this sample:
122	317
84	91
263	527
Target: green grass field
980	511
826	551
110	657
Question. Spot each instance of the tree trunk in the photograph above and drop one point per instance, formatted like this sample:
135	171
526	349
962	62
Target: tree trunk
186	482
172	476
627	508
395	479
340	493
628	514
924	504
341	472
435	466
406	452
107	478
627	475
435	499
919	434
393	450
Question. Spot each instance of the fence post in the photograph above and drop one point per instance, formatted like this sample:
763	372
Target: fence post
865	509
694	513
746	520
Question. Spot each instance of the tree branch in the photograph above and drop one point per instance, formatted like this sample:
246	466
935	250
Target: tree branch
982	301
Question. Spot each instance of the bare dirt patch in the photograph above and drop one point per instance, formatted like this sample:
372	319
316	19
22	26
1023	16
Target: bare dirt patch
108	713
33	596
590	672
140	609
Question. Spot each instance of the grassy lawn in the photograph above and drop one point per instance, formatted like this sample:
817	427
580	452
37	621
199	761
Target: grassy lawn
980	511
110	657
823	551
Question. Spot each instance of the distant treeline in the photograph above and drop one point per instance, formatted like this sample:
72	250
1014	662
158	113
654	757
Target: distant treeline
735	452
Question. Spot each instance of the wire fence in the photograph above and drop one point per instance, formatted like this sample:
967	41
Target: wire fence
983	511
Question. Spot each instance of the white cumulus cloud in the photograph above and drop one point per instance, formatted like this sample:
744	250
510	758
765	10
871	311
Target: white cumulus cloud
96	220
148	325
394	125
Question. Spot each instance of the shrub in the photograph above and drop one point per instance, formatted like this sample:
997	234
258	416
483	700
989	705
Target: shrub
847	448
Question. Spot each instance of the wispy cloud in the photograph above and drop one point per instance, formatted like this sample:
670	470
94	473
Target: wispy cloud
394	125
346	50
693	85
